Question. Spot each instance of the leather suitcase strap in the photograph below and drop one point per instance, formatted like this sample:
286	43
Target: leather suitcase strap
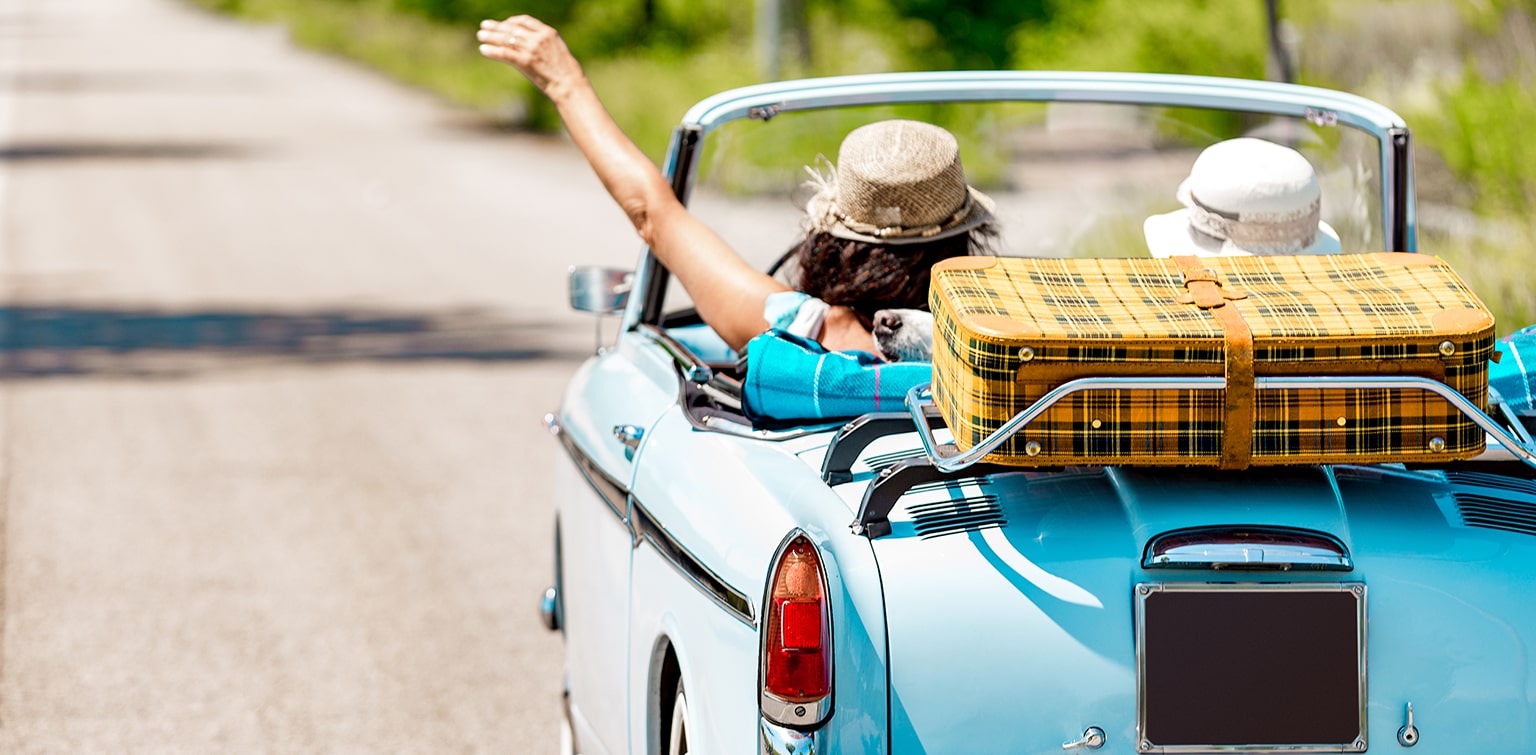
1204	289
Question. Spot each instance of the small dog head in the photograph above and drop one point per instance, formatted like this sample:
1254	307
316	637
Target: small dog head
904	335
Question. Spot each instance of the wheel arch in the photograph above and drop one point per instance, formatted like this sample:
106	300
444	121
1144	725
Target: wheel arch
663	681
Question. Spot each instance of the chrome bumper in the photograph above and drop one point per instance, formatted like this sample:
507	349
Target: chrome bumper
778	740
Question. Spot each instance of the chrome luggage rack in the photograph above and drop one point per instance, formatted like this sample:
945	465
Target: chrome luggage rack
948	458
943	460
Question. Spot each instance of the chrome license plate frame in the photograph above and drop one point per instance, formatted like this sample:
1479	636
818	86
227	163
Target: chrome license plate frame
1220	667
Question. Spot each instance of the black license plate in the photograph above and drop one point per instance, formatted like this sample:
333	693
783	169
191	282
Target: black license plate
1223	668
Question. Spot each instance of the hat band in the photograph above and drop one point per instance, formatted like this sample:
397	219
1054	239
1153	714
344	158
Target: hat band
1260	233
903	232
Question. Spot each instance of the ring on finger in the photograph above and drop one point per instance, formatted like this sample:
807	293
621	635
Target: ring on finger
512	40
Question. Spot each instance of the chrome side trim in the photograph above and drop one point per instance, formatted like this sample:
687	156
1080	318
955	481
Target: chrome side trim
1144	589
722	425
721	389
688	364
613	492
778	740
645	528
948	458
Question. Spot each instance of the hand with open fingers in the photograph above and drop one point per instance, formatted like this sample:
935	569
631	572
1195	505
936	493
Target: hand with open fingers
531	46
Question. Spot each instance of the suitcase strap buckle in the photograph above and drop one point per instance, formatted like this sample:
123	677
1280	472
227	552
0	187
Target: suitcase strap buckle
1206	290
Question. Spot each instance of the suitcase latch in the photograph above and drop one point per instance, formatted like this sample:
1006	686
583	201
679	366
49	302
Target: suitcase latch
1205	289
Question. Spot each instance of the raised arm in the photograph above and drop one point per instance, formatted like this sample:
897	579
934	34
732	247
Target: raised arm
728	292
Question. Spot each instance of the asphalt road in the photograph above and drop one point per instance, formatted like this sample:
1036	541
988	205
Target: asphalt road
275	339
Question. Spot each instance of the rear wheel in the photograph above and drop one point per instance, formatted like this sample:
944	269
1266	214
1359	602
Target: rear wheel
677	736
567	739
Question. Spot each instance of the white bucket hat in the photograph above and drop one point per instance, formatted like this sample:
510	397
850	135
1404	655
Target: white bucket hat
1245	197
896	182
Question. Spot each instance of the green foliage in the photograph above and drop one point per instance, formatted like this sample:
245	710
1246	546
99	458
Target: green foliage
647	112
1495	265
1482	131
1205	37
600	29
969	33
1210	37
1487	16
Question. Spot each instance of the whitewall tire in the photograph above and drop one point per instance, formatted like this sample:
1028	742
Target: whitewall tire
677	736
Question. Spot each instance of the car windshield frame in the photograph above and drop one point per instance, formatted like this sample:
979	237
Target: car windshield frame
765	101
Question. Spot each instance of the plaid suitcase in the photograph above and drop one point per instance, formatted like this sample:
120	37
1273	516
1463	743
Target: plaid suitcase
1007	330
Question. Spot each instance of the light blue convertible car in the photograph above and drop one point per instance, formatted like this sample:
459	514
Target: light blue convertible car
730	586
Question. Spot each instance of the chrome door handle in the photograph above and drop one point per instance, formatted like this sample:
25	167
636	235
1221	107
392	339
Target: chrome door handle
1408	736
629	435
1093	739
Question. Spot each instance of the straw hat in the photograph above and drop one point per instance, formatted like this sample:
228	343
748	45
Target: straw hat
1245	197
896	182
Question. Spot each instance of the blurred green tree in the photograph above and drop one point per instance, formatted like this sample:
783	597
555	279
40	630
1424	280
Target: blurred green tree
971	33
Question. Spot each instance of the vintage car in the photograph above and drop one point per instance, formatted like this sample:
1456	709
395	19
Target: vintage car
851	585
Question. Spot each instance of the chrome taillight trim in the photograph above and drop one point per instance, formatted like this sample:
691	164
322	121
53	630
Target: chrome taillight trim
795	714
1256	548
776	710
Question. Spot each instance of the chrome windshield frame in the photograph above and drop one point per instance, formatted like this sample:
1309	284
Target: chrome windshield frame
765	101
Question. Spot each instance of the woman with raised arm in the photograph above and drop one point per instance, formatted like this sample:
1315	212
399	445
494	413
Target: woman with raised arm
896	204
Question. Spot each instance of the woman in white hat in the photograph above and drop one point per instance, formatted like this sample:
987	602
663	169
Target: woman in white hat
1245	197
897	203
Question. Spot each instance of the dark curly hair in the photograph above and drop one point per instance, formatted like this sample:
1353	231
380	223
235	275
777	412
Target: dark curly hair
868	277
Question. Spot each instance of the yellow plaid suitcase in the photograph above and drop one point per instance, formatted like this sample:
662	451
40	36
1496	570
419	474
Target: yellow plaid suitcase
1008	330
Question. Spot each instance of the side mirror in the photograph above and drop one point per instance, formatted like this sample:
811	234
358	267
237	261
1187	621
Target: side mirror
600	290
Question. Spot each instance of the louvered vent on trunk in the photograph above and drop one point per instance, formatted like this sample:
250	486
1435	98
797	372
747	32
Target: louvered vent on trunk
1494	502
881	461
967	514
1498	482
1496	513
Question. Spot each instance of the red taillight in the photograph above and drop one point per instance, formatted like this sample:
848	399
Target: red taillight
797	654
